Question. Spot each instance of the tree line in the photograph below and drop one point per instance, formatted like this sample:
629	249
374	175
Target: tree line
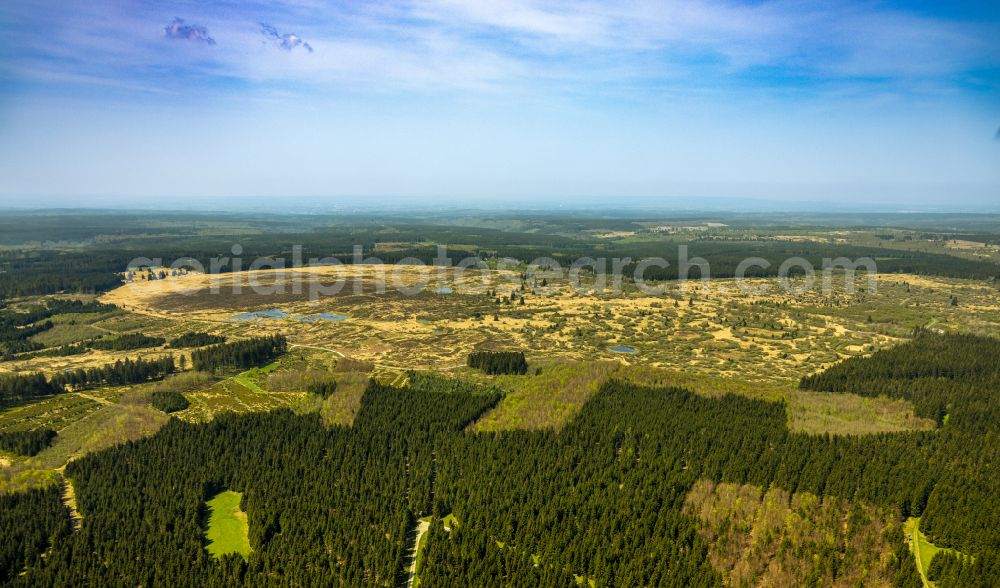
196	339
127	342
120	373
954	375
18	387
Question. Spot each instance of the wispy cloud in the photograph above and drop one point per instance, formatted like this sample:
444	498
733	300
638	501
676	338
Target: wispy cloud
838	40
570	47
178	30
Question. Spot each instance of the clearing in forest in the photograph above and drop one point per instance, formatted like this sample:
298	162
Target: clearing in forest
921	547
227	530
548	399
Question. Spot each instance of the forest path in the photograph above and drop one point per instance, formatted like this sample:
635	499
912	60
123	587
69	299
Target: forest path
422	527
69	500
915	545
97	399
334	351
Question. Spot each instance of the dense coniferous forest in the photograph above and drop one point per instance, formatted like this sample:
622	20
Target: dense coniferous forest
26	443
324	506
127	342
168	401
951	570
195	340
624	466
322	388
51	272
127	371
16	387
30	522
588	501
581	502
957	376
499	362
239	354
954	379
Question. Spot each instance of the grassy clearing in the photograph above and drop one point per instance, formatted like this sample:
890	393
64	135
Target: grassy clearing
343	405
549	399
256	378
264	388
62	334
20	478
232	396
415	555
93	427
921	548
555	396
180	382
851	414
227	530
808	411
105	427
83	318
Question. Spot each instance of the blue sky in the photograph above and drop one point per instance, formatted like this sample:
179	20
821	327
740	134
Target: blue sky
490	101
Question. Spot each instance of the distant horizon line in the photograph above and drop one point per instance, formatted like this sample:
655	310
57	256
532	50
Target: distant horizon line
312	206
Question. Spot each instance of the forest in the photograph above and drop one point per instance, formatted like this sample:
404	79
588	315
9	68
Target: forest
127	342
17	387
26	443
598	501
195	340
535	508
168	401
126	371
499	362
239	354
946	376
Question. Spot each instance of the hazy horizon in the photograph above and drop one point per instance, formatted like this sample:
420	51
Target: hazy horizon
599	205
